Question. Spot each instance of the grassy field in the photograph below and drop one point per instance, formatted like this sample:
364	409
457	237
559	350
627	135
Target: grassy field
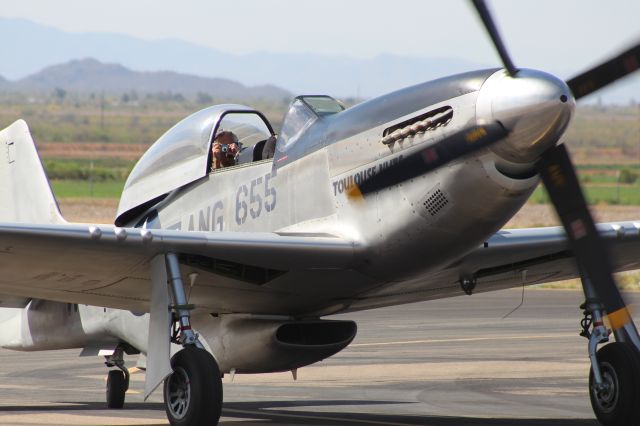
604	183
85	189
84	139
627	281
602	128
599	194
82	119
625	195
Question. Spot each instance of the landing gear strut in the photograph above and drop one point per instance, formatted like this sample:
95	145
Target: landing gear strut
193	392
614	379
117	380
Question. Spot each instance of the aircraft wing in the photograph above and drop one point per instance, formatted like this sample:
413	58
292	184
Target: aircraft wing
108	266
514	257
510	258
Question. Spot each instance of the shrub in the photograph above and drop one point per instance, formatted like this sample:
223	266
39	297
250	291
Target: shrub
628	176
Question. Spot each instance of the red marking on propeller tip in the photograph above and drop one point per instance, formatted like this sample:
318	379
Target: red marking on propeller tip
429	155
631	63
578	229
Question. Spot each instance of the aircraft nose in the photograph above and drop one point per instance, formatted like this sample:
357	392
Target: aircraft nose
534	106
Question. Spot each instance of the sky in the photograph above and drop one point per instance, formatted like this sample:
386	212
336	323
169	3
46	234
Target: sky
560	36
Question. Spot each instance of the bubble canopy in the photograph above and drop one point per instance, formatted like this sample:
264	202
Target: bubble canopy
178	157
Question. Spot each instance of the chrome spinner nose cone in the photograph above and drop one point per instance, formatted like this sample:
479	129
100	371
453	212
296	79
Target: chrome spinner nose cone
534	106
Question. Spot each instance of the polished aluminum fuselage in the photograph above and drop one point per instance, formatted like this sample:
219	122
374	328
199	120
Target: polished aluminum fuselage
407	234
409	231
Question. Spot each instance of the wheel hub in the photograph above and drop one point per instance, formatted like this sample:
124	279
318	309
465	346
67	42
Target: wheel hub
606	396
178	393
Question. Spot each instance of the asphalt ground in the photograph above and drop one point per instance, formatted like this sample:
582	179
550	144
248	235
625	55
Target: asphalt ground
447	362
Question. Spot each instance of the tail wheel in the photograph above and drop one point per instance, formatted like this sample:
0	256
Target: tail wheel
616	402
116	388
193	392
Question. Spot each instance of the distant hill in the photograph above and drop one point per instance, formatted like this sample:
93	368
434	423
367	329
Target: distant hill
41	46
90	75
30	47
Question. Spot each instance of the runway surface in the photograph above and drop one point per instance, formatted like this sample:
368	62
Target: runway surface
439	363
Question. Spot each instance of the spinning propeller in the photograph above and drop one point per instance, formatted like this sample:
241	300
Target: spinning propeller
554	166
559	177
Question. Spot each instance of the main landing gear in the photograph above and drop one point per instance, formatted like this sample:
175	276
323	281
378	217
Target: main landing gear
117	380
614	379
193	392
615	399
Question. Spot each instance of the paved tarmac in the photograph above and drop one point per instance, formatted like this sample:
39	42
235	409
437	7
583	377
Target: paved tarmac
440	363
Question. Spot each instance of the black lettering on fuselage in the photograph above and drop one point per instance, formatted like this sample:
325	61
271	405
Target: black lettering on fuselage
210	218
344	184
204	222
218	219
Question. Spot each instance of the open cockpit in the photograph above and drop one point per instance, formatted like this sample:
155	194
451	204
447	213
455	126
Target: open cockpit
183	154
252	131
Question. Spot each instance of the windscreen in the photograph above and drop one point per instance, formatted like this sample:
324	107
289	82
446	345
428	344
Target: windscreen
298	118
323	105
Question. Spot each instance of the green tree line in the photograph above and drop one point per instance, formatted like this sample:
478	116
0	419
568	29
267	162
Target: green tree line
58	169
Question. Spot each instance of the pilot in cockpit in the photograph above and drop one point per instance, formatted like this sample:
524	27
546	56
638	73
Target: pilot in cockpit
224	149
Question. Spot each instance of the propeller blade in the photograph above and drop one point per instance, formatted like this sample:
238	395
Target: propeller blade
606	73
491	28
448	149
560	180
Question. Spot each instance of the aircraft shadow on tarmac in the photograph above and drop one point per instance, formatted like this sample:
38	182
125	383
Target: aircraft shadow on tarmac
276	413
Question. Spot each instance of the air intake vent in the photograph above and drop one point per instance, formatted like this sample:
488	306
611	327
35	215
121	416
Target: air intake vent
435	202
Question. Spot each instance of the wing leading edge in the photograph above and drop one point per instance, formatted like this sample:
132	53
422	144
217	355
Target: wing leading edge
536	249
110	266
516	257
510	258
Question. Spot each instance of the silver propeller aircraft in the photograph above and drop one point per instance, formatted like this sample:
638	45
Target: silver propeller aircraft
395	200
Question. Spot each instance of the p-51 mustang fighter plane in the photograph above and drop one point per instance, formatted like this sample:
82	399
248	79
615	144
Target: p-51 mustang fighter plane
396	200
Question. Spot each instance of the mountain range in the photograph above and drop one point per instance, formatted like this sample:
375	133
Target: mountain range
30	47
90	75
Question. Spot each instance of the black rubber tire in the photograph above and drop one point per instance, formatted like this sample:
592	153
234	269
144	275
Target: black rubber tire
619	366
203	385
116	388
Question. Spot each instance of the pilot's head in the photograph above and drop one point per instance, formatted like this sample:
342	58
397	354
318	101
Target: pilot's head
226	138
